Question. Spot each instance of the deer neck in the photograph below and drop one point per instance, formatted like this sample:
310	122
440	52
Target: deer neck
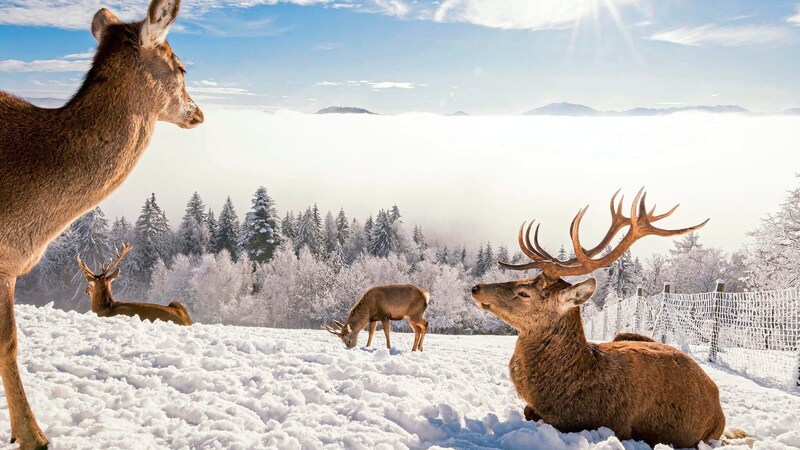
103	301
556	356
108	125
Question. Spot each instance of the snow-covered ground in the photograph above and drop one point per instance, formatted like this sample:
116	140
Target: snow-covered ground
121	383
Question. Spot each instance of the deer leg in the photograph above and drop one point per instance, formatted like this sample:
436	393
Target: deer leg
372	327
387	328
24	428
423	327
416	334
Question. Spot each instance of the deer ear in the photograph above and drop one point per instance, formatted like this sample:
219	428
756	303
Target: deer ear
89	278
160	17
113	275
347	329
577	294
101	21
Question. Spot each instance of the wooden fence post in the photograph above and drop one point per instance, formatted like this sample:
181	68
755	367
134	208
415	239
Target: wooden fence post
716	317
662	314
637	313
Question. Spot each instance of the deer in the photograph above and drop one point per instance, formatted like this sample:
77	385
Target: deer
104	305
383	304
56	164
641	389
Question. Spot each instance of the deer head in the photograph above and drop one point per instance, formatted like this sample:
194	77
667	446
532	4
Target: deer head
345	333
537	304
141	48
100	285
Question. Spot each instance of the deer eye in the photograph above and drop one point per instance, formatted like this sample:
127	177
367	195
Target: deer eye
523	294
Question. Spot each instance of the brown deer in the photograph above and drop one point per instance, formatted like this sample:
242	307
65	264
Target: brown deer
641	389
56	164
104	305
382	304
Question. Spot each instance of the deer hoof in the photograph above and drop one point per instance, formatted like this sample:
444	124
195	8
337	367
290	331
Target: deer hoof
35	446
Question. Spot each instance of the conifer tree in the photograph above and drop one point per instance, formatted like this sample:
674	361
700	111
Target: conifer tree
228	230
260	235
380	244
342	227
193	235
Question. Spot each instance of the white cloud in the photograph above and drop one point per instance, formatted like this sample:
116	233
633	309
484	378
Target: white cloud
392	7
795	19
216	88
393	85
725	36
517	14
374	85
75	14
69	63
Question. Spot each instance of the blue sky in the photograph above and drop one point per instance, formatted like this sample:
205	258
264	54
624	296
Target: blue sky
480	56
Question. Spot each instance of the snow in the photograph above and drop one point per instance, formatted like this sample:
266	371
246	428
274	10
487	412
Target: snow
125	384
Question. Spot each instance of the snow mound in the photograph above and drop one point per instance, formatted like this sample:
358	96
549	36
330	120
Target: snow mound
124	384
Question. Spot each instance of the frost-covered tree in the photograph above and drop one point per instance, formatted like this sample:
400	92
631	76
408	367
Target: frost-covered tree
228	230
368	224
221	289
381	236
562	254
357	242
121	231
193	236
419	238
289	226
260	235
502	255
309	232
92	239
774	257
342	227
394	214
152	241
212	227
330	234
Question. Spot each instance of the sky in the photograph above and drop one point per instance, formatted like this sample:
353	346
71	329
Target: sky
257	67
485	57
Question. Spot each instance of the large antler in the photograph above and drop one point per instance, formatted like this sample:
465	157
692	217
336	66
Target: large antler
640	224
83	266
110	268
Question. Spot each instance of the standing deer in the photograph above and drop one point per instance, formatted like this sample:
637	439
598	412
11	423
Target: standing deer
382	304
56	164
642	390
104	305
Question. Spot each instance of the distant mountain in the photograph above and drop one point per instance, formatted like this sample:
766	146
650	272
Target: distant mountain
344	110
664	111
563	109
572	109
459	113
47	102
792	111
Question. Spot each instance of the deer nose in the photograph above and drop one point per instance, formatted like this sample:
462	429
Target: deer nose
476	288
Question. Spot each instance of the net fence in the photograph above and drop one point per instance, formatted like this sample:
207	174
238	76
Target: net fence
753	333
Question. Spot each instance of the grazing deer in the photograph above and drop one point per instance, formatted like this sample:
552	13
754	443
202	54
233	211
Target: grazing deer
642	390
56	164
104	305
382	304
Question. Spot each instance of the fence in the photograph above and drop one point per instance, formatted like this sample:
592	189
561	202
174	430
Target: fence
754	333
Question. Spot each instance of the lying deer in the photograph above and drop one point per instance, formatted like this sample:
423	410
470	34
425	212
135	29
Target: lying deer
641	389
45	156
104	305
382	304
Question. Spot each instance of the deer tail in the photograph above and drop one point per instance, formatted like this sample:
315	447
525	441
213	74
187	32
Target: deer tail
427	298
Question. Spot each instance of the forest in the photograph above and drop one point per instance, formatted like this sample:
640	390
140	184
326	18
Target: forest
302	268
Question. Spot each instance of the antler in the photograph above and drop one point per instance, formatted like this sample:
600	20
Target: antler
640	224
125	249
83	266
332	330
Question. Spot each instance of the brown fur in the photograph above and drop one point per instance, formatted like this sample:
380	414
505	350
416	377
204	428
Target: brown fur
104	305
640	389
632	337
383	304
56	164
